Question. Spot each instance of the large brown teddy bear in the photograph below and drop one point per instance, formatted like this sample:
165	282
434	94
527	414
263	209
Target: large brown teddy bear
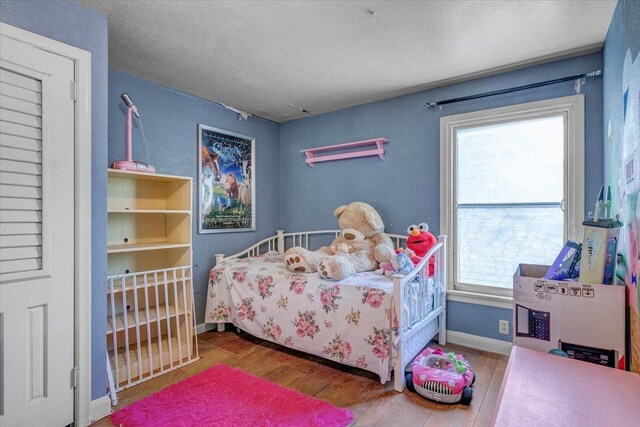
367	244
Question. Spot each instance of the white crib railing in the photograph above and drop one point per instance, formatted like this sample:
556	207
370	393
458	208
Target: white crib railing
418	299
150	326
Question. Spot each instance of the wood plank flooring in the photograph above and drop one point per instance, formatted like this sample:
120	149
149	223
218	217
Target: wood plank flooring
372	403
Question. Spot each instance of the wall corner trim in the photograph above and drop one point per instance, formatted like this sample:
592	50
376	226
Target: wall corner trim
99	409
479	343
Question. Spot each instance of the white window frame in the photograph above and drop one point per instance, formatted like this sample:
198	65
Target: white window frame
572	109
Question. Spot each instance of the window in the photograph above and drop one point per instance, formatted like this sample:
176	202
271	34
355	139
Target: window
511	189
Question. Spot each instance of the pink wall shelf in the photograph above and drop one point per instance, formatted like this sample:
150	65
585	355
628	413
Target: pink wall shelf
377	151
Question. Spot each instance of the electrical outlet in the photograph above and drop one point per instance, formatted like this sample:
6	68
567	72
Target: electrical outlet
503	327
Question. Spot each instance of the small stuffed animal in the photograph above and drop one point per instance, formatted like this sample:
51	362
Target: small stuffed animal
399	264
420	241
386	269
402	264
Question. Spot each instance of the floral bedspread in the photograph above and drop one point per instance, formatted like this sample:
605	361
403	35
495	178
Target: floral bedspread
347	321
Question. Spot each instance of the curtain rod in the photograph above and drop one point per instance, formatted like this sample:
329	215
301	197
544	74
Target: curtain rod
578	77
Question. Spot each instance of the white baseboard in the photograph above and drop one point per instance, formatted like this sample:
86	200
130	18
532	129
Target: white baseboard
204	327
99	408
478	342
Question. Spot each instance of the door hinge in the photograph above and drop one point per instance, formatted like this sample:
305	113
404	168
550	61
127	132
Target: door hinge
74	91
74	377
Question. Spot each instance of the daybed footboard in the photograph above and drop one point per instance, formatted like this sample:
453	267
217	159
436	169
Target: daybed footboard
420	302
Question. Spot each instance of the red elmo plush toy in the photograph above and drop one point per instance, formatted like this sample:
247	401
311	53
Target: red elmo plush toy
420	241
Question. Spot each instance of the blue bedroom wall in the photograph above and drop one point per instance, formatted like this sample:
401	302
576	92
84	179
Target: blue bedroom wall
405	186
170	119
621	138
85	28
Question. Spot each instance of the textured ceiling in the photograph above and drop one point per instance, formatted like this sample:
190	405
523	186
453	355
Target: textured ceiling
278	58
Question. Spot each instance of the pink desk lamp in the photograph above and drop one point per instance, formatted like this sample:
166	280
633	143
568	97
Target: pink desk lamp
129	164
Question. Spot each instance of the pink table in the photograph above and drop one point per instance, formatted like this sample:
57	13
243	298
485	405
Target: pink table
539	389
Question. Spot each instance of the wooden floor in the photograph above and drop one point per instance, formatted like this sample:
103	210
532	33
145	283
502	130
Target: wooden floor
372	403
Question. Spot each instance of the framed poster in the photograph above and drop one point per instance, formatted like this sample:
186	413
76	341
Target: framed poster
226	168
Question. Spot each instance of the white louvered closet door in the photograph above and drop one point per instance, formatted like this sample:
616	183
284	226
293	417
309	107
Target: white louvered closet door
36	236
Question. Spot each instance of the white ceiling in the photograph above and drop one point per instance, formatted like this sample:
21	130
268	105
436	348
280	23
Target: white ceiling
276	58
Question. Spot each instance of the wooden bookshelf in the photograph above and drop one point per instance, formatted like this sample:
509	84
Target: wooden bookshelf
150	320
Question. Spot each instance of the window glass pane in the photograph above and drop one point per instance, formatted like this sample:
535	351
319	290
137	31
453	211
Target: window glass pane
493	241
511	162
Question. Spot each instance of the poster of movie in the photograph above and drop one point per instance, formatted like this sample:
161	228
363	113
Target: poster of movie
227	188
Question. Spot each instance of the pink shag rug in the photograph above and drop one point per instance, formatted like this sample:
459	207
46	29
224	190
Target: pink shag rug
225	396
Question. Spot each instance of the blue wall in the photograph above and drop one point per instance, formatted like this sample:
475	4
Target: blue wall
170	119
621	136
405	186
478	319
86	29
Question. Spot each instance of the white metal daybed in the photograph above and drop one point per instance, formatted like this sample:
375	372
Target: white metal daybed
353	321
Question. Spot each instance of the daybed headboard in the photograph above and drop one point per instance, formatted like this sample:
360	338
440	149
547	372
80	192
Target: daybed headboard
307	239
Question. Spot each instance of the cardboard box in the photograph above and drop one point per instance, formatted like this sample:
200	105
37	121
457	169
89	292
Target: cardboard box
583	321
